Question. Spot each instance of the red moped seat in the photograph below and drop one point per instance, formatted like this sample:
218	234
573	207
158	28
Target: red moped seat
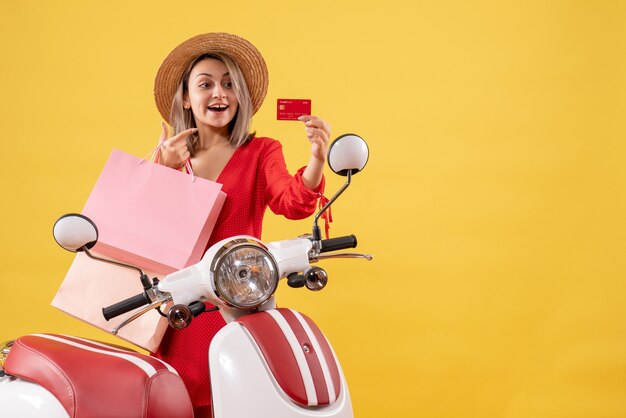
93	380
298	355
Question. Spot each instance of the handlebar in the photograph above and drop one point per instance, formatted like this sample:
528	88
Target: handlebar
339	243
126	305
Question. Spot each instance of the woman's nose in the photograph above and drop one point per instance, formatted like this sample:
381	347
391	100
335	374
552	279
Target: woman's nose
218	92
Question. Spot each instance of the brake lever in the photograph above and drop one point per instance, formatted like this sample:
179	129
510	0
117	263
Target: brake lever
318	257
156	304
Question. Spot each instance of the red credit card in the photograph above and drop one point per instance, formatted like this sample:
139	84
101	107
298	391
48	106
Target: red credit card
291	109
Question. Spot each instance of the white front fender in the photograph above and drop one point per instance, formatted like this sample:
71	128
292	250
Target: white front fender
243	386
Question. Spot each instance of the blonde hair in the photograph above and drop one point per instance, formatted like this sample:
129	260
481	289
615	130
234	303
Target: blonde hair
238	128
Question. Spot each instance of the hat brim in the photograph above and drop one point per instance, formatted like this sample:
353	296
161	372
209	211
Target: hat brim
247	57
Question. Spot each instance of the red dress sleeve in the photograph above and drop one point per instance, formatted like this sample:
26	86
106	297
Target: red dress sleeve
286	194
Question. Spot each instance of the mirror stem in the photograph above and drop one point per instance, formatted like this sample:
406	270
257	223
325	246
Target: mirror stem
317	234
117	263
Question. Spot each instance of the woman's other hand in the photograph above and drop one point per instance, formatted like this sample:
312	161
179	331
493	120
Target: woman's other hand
318	134
174	151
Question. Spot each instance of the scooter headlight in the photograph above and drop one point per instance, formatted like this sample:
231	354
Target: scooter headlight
245	274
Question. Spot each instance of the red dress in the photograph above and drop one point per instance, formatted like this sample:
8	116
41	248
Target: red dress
254	178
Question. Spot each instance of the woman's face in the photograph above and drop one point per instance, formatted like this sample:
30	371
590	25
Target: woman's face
211	94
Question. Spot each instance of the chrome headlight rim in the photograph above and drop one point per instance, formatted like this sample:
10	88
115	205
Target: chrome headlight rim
221	255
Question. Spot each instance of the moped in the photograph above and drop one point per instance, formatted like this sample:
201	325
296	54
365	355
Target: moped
266	362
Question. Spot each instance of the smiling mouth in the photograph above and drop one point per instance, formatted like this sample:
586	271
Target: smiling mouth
218	108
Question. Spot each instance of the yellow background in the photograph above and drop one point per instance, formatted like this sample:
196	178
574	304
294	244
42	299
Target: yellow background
494	198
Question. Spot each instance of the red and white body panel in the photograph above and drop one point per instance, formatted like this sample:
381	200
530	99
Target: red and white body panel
245	375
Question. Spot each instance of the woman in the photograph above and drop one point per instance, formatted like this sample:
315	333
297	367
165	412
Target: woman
208	88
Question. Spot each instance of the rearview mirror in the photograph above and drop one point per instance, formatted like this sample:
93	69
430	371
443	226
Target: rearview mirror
75	232
348	153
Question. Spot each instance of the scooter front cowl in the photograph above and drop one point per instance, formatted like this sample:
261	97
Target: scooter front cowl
276	363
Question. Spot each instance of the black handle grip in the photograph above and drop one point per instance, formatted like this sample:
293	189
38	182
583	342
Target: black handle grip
339	243
126	305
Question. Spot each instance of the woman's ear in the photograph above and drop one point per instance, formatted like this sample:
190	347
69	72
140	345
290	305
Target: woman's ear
186	104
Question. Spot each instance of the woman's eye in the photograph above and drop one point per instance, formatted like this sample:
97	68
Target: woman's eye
205	85
228	85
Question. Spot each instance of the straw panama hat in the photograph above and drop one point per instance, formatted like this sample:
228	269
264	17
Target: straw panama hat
247	57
